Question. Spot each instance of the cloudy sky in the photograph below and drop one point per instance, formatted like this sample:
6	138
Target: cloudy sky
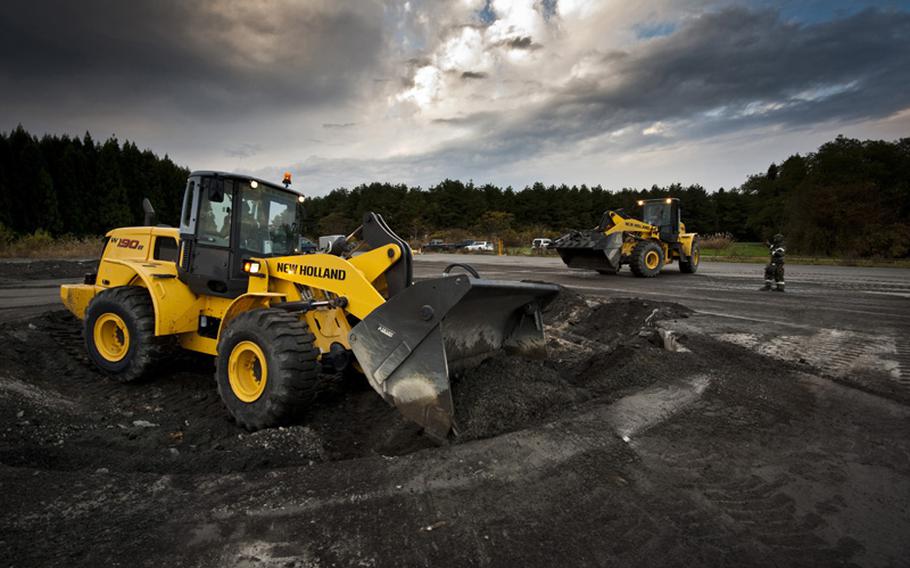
611	92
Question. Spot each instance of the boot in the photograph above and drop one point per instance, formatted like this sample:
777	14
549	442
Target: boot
780	287
766	287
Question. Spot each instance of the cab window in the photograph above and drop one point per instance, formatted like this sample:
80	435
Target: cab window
267	221
657	214
215	207
165	249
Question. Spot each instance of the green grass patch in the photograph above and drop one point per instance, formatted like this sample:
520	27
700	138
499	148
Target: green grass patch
744	250
757	253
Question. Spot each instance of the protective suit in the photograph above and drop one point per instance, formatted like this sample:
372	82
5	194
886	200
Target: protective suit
774	271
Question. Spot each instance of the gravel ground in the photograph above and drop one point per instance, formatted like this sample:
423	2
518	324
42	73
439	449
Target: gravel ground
614	451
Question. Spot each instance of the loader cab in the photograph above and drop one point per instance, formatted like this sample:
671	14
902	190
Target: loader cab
663	214
226	218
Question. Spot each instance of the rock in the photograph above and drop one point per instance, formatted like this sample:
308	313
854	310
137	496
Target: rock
144	424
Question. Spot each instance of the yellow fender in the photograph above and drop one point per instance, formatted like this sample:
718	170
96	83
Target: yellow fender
176	308
686	240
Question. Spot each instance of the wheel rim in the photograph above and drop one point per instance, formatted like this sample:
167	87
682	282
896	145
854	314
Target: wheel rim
695	256
112	338
652	259
247	371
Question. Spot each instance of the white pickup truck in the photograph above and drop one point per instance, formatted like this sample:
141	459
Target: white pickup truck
479	246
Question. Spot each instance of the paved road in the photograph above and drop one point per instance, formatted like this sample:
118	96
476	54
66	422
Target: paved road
859	299
846	319
851	322
26	298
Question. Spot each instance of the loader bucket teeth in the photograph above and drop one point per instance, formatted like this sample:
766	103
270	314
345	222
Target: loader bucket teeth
411	346
591	250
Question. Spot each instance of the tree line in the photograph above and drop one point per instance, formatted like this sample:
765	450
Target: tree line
65	185
849	198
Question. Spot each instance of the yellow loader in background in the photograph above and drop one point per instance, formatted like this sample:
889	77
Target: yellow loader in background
229	282
646	246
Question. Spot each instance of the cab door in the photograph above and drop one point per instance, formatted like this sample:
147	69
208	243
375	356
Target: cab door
205	235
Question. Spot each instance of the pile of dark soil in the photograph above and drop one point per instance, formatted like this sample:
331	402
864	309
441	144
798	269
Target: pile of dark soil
57	412
46	269
509	393
587	342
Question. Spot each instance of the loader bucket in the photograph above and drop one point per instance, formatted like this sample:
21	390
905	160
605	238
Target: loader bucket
591	250
411	345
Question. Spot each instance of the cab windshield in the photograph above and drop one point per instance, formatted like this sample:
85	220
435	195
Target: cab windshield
657	214
268	221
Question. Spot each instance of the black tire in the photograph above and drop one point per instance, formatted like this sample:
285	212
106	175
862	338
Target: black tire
690	265
291	367
143	350
639	261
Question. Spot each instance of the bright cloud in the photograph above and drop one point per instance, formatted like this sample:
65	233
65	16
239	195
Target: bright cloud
511	92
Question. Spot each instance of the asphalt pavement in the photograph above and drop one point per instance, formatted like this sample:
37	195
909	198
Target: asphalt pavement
853	323
855	298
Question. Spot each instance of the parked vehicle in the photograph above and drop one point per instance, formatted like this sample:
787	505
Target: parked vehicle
479	246
435	245
462	244
541	243
306	246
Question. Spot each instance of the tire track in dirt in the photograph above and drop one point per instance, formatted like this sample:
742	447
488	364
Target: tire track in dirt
752	515
873	362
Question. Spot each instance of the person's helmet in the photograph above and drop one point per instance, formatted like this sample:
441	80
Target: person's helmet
777	239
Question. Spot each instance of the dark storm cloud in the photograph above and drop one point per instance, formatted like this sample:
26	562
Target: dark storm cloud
524	42
733	70
210	58
730	70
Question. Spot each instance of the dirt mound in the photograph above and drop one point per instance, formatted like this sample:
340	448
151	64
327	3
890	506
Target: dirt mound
587	340
608	323
57	412
568	307
509	393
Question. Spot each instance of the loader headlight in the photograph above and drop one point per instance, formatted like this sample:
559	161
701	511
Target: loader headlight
254	184
640	202
251	266
669	201
299	199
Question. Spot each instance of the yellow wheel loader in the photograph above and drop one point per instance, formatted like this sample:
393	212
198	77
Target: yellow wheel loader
646	246
230	282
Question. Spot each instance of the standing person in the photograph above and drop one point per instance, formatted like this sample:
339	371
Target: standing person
774	271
